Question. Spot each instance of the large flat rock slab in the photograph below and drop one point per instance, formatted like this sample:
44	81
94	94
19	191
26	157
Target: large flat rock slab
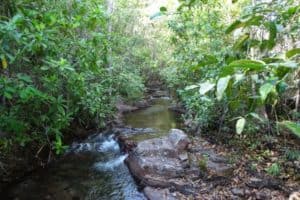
168	163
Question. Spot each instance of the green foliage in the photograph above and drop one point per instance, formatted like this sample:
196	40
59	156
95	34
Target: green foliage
44	49
58	145
292	126
61	63
245	68
131	86
222	86
203	163
292	155
240	124
265	90
292	52
245	65
274	169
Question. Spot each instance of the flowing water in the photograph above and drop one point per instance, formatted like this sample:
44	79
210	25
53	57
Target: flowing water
157	117
94	169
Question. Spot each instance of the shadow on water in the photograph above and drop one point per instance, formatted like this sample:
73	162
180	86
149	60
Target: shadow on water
94	169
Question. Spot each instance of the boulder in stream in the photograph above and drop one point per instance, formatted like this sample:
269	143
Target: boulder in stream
157	162
165	164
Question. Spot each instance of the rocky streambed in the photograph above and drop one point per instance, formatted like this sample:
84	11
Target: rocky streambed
148	156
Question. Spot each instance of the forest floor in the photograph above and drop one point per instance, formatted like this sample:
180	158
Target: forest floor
253	174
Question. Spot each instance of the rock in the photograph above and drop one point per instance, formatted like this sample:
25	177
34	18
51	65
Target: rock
238	192
142	104
212	163
126	144
179	139
124	108
183	156
158	194
219	169
178	109
262	194
265	182
156	162
255	182
167	163
160	93
158	165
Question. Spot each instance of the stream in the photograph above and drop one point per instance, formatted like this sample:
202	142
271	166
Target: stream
94	168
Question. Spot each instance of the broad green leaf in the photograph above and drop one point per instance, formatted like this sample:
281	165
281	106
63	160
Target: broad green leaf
265	90
190	87
238	77
206	87
206	60
235	25
281	87
8	95
227	70
240	42
272	35
247	64
272	60
254	20
221	86
156	15
193	1
292	126
287	64
263	45
290	12
240	125
256	116
24	78
292	52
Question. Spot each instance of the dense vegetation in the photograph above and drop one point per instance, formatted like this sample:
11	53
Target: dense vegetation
66	63
235	67
233	64
237	64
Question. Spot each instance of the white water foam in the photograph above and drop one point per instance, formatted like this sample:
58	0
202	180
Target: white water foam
107	144
110	144
110	165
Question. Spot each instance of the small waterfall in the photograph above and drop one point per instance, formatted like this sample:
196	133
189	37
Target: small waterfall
110	165
97	144
110	144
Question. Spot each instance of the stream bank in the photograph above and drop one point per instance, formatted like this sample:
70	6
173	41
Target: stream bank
164	163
